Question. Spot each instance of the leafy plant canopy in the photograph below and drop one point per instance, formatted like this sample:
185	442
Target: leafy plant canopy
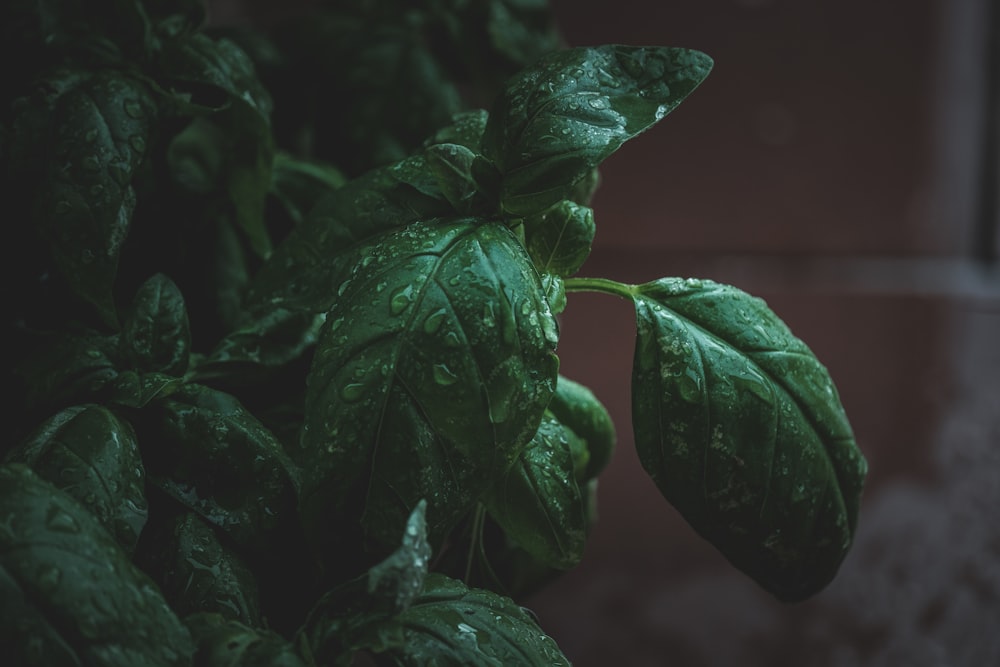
283	358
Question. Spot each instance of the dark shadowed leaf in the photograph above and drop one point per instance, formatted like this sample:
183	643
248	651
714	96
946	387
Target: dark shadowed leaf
91	454
576	407
156	334
79	140
223	642
196	571
67	590
742	430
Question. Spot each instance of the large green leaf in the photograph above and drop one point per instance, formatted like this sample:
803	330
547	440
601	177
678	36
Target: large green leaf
559	118
452	625
92	454
79	140
743	432
67	368
430	375
68	594
538	502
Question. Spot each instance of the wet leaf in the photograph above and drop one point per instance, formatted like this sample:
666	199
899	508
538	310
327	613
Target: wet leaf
559	239
80	139
299	183
562	116
576	407
207	452
450	624
156	334
196	571
92	454
430	375
538	502
67	589
224	642
743	432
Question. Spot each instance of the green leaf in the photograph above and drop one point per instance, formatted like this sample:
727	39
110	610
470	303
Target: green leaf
582	413
431	373
555	292
207	452
156	334
451	165
227	643
91	454
466	129
67	590
743	432
562	116
306	271
132	389
450	624
559	239
123	23
538	502
80	138
196	571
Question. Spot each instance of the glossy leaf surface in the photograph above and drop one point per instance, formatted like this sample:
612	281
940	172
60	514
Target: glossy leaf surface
562	116
223	642
559	239
741	429
581	412
451	625
538	502
431	373
67	589
92	454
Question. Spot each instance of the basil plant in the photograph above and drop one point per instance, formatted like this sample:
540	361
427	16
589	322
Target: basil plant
283	322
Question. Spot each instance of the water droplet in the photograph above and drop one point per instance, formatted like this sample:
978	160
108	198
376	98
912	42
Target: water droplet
599	103
343	287
489	315
58	520
137	143
434	320
352	392
443	375
401	299
133	109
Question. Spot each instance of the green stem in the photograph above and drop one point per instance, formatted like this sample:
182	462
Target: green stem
602	285
475	540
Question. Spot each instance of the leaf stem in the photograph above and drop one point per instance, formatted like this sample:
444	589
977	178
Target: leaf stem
602	285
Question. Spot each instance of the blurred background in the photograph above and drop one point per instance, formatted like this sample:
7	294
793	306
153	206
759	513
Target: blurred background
841	162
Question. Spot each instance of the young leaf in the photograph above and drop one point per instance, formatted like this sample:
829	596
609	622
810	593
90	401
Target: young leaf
79	141
91	454
133	389
559	239
451	165
741	429
68	594
224	642
561	117
555	292
450	624
196	571
299	184
466	129
156	335
430	375
538	502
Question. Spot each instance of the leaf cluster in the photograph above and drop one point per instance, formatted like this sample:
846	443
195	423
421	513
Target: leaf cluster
284	358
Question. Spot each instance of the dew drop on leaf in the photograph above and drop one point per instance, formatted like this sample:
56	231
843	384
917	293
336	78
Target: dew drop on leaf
352	392
434	320
133	109
443	375
401	299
